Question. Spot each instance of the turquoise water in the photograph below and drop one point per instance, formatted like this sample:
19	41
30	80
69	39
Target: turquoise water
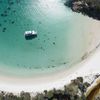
58	45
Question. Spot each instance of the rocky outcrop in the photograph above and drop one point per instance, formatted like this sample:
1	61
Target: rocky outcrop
93	92
86	7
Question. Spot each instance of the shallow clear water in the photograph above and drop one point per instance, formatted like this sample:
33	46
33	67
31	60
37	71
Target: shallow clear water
59	44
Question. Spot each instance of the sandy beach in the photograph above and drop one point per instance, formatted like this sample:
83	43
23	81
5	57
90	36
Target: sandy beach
90	64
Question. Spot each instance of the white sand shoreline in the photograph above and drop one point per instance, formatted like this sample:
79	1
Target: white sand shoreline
90	65
53	81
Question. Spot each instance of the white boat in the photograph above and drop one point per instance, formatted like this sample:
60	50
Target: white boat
30	34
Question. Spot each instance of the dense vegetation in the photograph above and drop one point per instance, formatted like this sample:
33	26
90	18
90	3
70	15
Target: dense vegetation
74	91
86	7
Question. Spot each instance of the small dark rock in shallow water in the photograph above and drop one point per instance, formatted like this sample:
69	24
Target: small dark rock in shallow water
0	1
14	11
8	8
11	3
86	7
5	21
5	15
13	22
4	29
54	43
2	15
5	11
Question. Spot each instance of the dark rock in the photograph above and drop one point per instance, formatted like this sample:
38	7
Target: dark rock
90	8
13	22
8	8
54	43
4	29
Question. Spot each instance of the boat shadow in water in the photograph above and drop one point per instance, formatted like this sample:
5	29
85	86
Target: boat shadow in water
30	37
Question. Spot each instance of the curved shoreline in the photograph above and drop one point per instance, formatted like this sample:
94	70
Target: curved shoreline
57	80
52	81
